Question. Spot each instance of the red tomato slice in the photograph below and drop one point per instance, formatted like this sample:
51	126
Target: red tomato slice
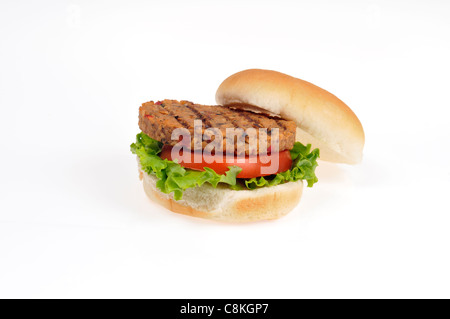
252	166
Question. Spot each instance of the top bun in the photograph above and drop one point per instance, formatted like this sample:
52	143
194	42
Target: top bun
322	119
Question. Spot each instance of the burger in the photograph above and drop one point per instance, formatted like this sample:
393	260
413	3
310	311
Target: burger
246	158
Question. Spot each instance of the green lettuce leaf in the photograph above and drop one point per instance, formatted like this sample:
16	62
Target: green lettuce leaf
173	178
303	168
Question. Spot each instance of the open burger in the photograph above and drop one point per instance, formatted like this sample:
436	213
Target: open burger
246	158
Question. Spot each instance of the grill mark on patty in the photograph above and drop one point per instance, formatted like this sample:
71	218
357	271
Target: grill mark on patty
232	120
182	121
254	121
281	124
204	118
186	115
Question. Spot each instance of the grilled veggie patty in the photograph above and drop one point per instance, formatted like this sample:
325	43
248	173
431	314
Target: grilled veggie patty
158	120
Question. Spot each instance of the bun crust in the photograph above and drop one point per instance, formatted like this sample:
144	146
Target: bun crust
322	119
228	205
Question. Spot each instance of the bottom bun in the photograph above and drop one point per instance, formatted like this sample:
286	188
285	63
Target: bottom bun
229	205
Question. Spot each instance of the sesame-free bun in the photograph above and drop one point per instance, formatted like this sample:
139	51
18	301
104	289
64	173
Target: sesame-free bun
225	204
322	119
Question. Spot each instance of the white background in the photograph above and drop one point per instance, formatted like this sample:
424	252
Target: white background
75	222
